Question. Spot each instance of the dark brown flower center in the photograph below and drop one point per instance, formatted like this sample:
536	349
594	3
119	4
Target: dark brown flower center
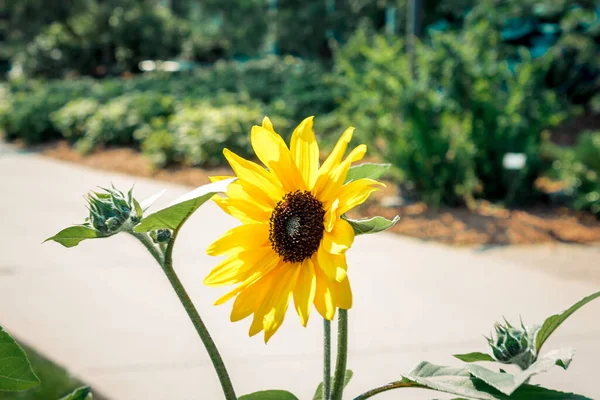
297	226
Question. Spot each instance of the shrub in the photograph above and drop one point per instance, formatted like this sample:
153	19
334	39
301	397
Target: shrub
158	143
448	128
116	122
29	107
202	131
72	118
579	168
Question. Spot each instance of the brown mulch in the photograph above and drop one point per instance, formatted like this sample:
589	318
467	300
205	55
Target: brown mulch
484	225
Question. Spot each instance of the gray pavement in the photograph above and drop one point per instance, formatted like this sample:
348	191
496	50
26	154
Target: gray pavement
106	312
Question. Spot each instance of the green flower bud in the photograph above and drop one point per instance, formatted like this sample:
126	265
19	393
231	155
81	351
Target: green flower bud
513	345
111	210
161	235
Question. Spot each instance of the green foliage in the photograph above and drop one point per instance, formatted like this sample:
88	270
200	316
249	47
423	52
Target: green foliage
73	235
55	381
474	357
82	393
459	381
116	122
174	216
448	128
371	225
554	321
71	119
16	373
366	170
201	132
27	112
269	395
580	169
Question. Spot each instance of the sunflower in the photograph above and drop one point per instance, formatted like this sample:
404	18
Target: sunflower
292	241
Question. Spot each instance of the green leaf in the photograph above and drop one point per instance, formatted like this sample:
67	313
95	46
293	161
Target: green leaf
82	393
508	383
449	380
139	212
319	393
372	225
73	235
16	373
269	395
174	216
367	170
553	322
145	204
474	357
460	382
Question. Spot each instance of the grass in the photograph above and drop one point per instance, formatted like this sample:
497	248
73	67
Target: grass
56	381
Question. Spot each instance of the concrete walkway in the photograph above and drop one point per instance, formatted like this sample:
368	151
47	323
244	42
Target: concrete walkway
105	311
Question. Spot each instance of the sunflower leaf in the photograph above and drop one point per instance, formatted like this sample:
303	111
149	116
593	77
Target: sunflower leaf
269	395
508	383
174	216
82	393
319	393
16	373
459	381
73	235
473	357
553	322
371	225
367	170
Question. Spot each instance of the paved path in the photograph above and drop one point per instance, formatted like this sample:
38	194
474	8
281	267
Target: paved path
106	312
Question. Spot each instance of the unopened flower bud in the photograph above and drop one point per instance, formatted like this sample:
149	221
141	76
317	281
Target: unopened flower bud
110	210
161	235
513	345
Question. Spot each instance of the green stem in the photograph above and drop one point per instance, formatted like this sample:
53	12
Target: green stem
389	386
150	246
326	358
342	356
166	263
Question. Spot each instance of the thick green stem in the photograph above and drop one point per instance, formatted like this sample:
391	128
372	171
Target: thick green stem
326	358
166	262
342	356
389	386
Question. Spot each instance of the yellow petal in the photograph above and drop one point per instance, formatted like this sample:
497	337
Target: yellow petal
248	300
219	178
304	292
336	156
274	154
343	294
339	239
305	151
253	174
331	216
328	185
274	318
246	236
245	211
357	153
268	125
244	191
238	267
333	265
356	192
276	301
263	268
324	297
